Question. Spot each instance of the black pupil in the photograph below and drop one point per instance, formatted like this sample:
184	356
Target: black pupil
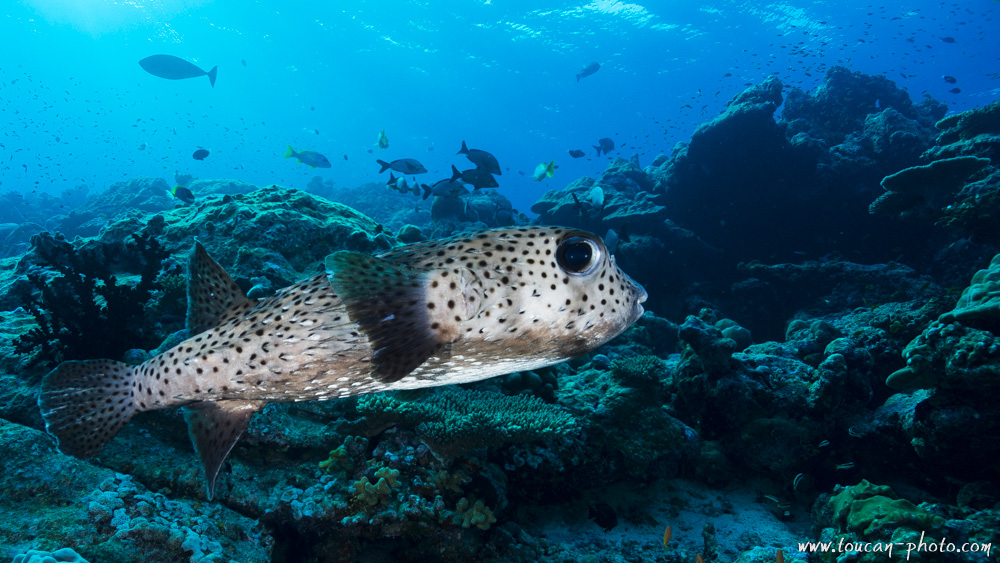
577	256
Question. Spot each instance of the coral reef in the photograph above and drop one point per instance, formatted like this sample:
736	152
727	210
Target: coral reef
77	309
455	422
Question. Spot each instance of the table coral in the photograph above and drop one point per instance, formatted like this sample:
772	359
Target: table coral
924	191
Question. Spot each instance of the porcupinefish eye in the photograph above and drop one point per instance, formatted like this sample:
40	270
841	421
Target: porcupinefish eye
578	256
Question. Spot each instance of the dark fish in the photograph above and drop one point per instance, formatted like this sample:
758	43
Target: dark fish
576	153
950	79
174	68
476	177
948	39
423	315
587	71
183	194
312	158
445	188
606	145
481	159
955	90
200	154
603	515
405	165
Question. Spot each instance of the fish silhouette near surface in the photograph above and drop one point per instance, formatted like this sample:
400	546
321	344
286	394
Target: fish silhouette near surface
588	70
455	310
175	68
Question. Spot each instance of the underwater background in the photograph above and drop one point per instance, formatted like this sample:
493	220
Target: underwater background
808	191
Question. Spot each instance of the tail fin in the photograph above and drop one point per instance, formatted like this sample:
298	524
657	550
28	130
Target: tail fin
289	152
455	174
385	165
84	404
464	150
578	77
211	75
598	150
427	191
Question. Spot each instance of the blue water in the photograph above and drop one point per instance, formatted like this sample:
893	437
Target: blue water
324	76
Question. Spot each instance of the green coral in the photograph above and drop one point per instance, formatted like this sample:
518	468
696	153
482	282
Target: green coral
339	460
454	422
960	347
368	494
639	371
876	512
468	514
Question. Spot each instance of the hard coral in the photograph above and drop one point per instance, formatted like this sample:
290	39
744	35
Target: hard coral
454	422
85	311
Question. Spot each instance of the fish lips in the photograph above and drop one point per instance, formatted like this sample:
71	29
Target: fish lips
640	294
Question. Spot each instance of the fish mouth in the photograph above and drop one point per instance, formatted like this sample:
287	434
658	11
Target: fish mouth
640	298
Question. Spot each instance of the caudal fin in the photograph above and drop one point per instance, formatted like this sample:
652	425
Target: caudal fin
84	404
289	152
455	174
211	75
385	165
464	149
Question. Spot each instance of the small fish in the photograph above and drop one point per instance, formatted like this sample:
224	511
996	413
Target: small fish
481	159
405	165
588	70
543	171
183	194
576	153
312	158
603	515
950	79
175	68
476	177
383	141
443	312
243	62
667	535
955	90
606	145
142	146
445	188
200	154
948	39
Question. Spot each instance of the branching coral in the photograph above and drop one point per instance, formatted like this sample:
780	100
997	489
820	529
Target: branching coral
454	422
84	311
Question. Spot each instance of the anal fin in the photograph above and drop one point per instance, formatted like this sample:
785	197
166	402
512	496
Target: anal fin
214	428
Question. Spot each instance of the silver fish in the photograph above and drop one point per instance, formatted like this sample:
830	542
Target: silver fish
455	310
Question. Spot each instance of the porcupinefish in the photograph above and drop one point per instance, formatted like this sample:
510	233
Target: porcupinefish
455	310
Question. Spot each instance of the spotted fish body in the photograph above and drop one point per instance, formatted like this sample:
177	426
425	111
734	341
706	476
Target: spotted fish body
436	313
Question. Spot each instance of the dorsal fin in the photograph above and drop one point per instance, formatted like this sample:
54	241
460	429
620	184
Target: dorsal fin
389	302
211	292
214	428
